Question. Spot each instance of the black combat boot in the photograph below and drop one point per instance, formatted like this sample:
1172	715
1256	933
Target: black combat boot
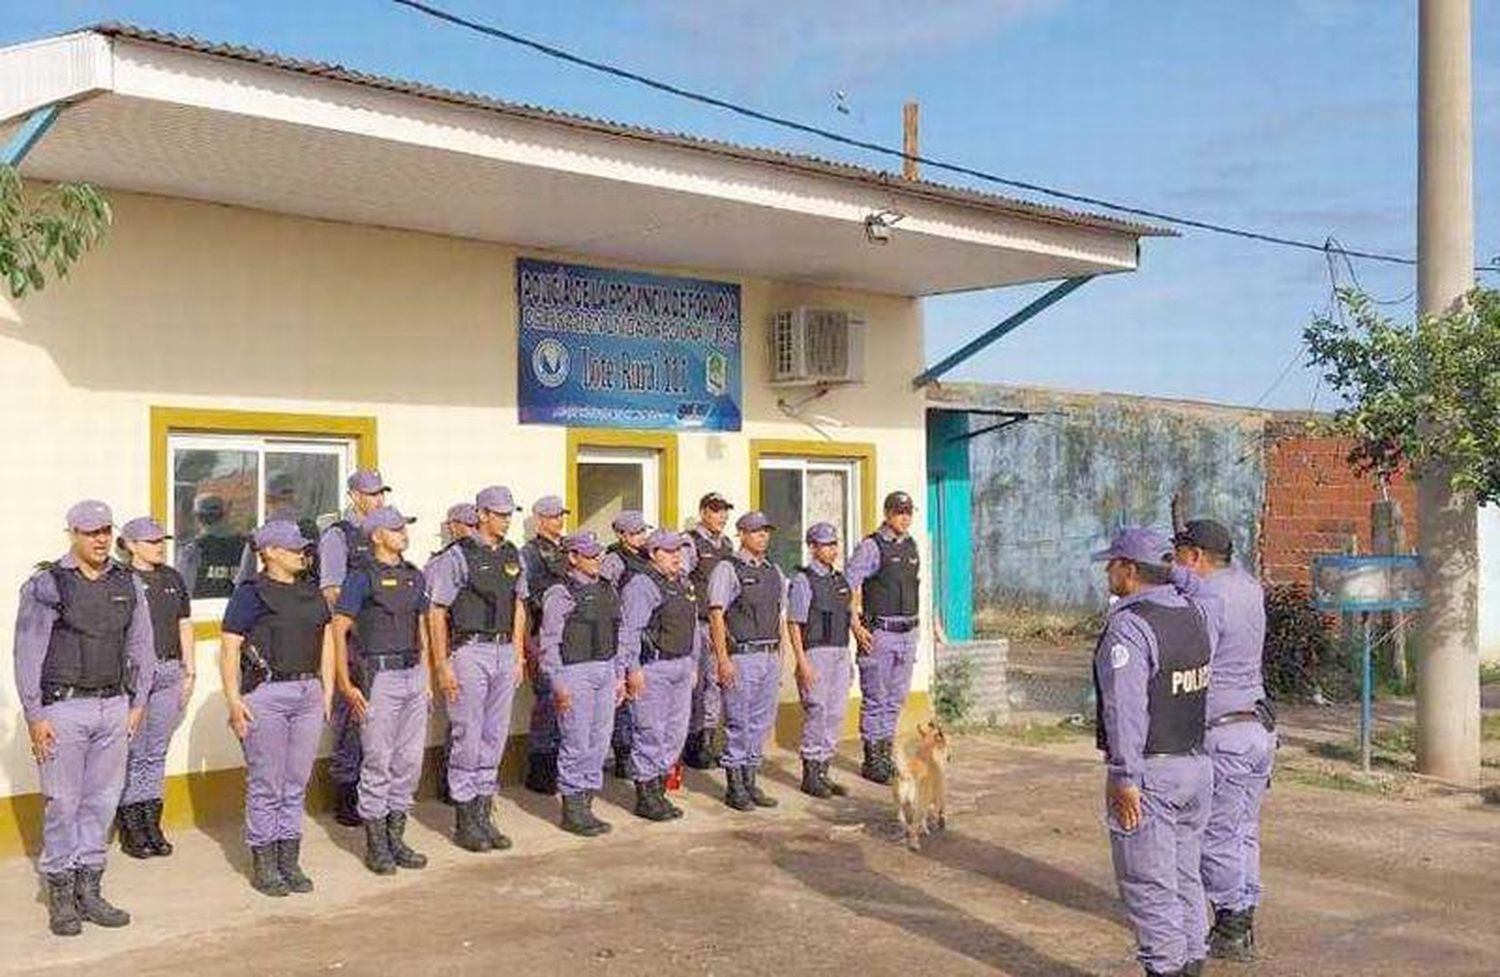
378	857
289	863
130	822
888	760
812	783
541	773
484	814
647	804
62	906
874	768
265	872
92	906
346	804
468	833
159	843
735	794
757	796
1193	968
599	826
660	785
835	789
1231	937
575	818
694	753
444	795
401	853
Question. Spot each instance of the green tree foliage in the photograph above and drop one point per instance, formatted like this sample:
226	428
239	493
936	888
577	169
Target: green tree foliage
46	232
1417	393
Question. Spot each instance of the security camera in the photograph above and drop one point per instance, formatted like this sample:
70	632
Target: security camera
878	225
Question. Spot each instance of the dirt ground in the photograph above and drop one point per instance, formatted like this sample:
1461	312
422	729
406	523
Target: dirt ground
1361	880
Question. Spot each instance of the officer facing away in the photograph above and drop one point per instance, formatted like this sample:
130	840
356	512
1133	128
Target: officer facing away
1151	678
1241	738
83	645
884	577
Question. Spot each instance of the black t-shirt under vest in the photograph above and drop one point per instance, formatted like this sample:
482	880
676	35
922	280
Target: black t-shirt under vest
673	628
592	627
828	614
87	646
290	638
891	591
710	553
167	600
755	615
487	603
634	563
389	621
1178	691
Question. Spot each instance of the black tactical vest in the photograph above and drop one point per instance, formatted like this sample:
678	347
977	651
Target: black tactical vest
891	591
361	553
218	561
673	629
1178	691
592	628
710	554
87	645
487	603
828	614
546	566
755	615
634	563
388	622
164	599
290	638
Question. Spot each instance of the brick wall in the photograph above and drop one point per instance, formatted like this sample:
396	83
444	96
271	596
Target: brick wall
1315	503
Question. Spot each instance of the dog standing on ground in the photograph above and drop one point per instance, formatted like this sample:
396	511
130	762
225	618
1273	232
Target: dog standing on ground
921	784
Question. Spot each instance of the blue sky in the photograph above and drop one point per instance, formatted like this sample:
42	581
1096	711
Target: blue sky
1294	116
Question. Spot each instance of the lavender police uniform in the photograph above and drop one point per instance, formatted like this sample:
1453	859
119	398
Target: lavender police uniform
707	551
546	565
818	604
659	633
479	585
751	592
885	568
618	565
342	548
78	644
1151	672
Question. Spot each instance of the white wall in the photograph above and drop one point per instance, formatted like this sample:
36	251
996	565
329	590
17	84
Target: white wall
199	305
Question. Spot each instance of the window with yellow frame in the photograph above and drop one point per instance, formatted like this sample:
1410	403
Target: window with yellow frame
798	483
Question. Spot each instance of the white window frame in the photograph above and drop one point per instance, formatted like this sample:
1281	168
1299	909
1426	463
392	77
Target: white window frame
648	460
849	467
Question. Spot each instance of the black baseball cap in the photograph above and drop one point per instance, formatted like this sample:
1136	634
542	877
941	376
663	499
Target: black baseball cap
899	502
1208	535
714	500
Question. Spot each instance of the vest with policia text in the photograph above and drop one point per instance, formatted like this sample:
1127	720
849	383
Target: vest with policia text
218	561
710	553
388	622
165	600
1178	692
487	603
673	629
634	562
87	646
546	565
289	640
891	591
755	615
592	628
828	614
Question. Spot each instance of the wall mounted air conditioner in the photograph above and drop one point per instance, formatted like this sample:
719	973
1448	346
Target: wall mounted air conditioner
813	346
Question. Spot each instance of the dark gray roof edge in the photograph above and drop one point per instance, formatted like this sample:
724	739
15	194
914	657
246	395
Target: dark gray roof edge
892	182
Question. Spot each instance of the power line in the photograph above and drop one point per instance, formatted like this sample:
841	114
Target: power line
786	123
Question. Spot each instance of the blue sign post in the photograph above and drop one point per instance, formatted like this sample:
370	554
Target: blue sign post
605	348
1366	585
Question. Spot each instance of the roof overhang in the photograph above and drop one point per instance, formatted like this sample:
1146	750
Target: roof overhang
164	115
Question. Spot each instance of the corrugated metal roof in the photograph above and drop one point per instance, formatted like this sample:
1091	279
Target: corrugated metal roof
813	165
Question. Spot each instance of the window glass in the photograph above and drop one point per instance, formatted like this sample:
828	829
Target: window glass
781	500
603	490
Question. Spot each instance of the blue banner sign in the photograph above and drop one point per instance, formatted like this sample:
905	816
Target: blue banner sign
604	348
1366	584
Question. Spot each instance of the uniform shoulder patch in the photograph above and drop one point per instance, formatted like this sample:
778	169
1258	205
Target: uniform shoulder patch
1119	656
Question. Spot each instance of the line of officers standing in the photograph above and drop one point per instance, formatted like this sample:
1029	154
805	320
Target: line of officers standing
643	647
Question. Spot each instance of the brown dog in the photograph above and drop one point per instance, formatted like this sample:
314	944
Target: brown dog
921	784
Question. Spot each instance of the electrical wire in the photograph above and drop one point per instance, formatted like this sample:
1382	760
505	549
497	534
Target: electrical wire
604	67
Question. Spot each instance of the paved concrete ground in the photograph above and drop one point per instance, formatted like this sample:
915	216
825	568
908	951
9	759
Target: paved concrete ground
1359	884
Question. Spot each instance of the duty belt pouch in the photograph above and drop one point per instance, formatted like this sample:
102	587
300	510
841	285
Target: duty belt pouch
253	669
1266	713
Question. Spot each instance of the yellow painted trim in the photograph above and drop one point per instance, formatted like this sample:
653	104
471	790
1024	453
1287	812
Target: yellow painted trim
663	442
863	452
166	421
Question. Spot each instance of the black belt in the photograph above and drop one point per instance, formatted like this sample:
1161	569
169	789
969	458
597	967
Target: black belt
170	658
462	638
900	626
753	647
1195	751
391	660
1229	718
292	676
62	693
649	655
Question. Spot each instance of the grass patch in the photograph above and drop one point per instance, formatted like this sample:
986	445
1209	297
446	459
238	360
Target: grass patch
1040	734
1324	779
1489	726
1489	673
1393	746
1037	624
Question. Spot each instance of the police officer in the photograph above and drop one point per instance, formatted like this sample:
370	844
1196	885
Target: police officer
344	546
385	603
143	545
709	546
747	601
818	612
82	645
884	576
476	624
281	505
209	560
460	521
277	664
623	559
1151	678
658	657
546	564
1241	738
578	639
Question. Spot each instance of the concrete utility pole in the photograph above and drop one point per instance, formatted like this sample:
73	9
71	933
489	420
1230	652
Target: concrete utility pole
1448	670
